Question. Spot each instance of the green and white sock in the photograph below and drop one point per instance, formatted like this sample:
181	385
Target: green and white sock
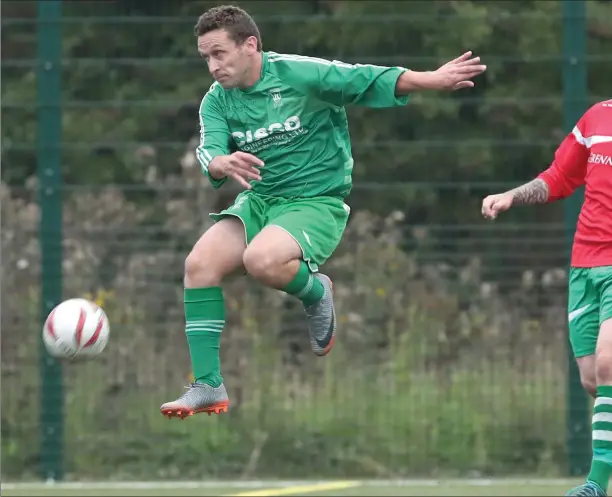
205	318
305	286
601	467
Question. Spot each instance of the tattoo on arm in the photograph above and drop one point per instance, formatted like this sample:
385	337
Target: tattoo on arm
534	192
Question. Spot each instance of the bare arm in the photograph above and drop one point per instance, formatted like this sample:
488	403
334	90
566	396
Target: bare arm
534	192
453	75
560	180
411	81
215	168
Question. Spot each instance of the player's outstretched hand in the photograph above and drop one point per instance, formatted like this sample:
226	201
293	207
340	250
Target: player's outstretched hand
240	166
457	73
494	204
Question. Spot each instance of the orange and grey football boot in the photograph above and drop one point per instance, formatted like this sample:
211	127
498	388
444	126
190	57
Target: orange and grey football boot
199	397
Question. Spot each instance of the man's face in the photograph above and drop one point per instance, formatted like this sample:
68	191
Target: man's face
228	62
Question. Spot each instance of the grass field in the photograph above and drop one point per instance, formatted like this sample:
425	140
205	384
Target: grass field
484	487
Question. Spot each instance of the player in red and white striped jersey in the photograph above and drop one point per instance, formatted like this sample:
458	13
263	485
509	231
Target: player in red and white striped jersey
584	158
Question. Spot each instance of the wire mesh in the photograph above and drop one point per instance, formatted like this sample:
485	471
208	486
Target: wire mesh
451	353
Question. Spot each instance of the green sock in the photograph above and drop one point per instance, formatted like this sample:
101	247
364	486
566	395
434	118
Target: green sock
305	286
205	318
601	467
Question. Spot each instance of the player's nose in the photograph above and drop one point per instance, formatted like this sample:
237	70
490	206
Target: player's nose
213	67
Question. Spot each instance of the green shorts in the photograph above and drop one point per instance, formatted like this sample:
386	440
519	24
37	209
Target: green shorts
316	224
589	305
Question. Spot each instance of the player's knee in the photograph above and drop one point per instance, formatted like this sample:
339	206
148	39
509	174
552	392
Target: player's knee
200	271
603	355
589	383
586	366
259	264
603	368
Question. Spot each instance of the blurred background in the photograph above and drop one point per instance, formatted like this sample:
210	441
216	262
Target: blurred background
452	355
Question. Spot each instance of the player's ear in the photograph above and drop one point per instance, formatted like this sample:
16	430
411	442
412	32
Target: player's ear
251	44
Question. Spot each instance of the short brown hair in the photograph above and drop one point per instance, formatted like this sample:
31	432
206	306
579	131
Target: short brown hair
237	22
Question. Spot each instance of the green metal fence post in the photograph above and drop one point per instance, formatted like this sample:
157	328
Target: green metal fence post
49	135
575	103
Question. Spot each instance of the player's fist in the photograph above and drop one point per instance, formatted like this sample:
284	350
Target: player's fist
494	204
240	166
457	73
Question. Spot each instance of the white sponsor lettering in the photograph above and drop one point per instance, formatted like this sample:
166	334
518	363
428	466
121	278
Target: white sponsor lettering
605	160
291	124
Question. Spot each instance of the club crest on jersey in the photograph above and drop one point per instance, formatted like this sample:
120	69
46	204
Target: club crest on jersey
277	100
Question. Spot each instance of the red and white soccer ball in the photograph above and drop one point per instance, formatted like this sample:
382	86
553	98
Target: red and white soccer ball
76	329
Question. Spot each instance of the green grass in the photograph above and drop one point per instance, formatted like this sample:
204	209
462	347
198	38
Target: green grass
484	487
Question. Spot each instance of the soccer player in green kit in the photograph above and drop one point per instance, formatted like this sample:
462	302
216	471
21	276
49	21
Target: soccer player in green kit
276	124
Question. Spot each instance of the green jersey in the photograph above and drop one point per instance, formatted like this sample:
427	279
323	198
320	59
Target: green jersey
294	120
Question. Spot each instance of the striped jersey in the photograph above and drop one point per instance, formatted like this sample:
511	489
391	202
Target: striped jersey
294	120
585	158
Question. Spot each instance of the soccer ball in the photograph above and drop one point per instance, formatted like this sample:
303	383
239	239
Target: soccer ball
76	329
